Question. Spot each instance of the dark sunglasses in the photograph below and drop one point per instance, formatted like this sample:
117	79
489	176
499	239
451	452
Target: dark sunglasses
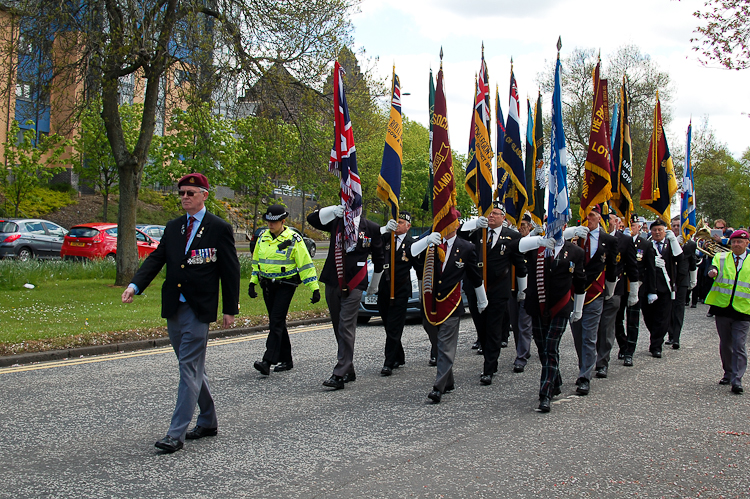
187	193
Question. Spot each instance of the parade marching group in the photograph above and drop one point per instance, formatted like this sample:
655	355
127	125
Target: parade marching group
520	268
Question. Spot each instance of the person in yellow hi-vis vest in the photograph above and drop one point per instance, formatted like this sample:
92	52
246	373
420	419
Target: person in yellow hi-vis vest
730	304
281	262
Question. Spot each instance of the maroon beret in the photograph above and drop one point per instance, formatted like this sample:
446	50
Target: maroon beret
740	234
195	180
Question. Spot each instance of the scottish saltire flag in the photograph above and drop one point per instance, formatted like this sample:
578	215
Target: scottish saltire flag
659	182
444	212
343	161
687	211
389	181
502	178
597	183
512	159
558	207
479	170
622	160
427	201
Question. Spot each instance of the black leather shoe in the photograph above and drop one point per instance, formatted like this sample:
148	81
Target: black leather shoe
601	372
263	366
620	355
435	396
475	345
335	382
669	341
396	365
544	404
675	346
693	306
628	361
348	377
656	353
583	386
518	369
168	444
283	366
737	389
503	344
485	379
450	388
480	351
724	381
709	314
386	371
556	391
200	432
432	362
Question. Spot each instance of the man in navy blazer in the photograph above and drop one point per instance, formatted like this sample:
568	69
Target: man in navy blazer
198	250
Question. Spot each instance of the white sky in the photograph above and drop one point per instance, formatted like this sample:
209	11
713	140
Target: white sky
410	33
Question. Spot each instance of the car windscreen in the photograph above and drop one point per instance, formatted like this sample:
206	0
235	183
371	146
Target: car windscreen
83	232
8	227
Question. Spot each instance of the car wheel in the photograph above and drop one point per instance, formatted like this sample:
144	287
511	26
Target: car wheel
25	254
363	320
110	257
312	250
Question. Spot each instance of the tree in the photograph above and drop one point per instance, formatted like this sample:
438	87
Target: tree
100	43
93	160
27	163
723	37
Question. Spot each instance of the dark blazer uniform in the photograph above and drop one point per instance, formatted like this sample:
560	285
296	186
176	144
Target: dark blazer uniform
561	276
344	304
687	265
195	274
393	312
658	314
627	340
604	260
501	258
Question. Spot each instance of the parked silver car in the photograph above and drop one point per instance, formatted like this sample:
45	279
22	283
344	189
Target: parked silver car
153	231
26	238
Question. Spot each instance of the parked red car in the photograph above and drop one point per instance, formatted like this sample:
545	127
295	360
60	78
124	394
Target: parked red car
99	240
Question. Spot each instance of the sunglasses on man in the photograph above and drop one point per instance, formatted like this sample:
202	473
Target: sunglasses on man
187	193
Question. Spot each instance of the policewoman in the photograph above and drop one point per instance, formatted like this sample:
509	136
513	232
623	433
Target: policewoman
281	262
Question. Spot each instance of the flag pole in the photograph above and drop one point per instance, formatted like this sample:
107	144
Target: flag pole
393	233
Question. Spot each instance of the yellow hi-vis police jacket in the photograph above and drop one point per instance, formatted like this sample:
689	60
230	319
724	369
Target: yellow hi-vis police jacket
721	292
283	258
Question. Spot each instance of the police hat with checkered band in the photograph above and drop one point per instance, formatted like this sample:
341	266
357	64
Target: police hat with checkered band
275	213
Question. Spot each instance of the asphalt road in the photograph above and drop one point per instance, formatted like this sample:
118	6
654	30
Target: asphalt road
663	428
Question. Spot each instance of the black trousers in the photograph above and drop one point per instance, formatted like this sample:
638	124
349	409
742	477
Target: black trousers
547	335
489	325
393	313
627	341
657	317
678	313
278	296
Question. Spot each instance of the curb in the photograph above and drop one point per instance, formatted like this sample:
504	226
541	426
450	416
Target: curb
130	346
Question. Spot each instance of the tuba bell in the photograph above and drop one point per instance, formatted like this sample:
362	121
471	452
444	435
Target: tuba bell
707	244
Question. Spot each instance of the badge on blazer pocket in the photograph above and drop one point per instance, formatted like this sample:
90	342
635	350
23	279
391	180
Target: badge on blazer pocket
459	264
203	255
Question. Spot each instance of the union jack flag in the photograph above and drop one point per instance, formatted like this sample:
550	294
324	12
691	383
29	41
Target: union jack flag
343	161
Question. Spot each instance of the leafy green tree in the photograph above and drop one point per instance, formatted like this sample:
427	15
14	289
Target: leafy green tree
93	160
28	164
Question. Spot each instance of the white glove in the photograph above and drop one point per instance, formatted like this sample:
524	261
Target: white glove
693	279
421	245
609	289
674	243
547	242
538	231
626	232
481	298
569	233
372	289
680	239
633	296
329	213
577	312
660	264
529	243
652	298
391	226
482	223
521	281
581	231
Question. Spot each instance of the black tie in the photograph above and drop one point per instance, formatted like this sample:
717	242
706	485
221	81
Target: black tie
659	245
491	238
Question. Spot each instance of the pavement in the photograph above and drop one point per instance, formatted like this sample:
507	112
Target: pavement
85	427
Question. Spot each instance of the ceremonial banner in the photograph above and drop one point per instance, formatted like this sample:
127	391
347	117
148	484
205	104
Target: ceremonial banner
444	212
536	178
659	182
343	161
597	184
511	161
502	178
558	207
479	168
687	212
427	201
622	160
389	181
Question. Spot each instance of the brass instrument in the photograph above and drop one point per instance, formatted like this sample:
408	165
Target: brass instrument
707	244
